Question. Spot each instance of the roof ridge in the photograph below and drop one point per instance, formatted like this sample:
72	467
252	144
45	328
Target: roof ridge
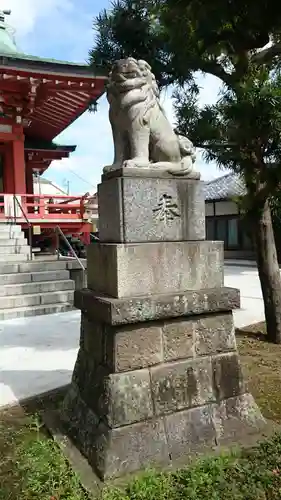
230	174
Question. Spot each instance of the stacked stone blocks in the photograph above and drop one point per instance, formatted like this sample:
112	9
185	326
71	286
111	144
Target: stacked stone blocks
157	376
150	394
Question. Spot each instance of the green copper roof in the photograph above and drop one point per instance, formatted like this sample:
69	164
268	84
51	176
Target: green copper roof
7	41
28	57
41	144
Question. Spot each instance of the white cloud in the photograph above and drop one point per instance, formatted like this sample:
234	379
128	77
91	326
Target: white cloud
56	28
26	13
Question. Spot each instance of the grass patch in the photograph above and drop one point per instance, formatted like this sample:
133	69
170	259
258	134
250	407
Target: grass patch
32	467
250	475
261	363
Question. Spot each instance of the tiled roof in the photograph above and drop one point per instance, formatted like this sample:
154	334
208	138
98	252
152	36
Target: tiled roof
224	187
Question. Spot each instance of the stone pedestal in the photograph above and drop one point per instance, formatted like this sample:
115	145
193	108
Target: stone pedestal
138	205
157	375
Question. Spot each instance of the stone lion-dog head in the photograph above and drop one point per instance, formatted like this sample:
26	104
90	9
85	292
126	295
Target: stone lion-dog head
132	82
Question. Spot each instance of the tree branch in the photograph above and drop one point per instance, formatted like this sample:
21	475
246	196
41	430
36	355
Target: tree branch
214	68
266	55
218	145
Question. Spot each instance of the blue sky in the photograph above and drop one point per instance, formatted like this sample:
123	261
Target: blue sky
58	29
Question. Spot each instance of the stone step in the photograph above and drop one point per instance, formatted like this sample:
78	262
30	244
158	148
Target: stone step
25	312
39	287
17	257
10	227
8	235
20	278
14	249
32	266
36	299
12	241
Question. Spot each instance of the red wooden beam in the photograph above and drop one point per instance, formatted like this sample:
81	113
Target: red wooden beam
58	107
54	76
53	110
42	120
74	87
14	86
65	103
44	114
76	96
55	101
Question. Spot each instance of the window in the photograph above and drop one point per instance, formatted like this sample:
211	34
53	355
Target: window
210	229
232	233
231	230
221	230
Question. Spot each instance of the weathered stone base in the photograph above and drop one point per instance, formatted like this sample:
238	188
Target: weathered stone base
148	393
129	310
158	442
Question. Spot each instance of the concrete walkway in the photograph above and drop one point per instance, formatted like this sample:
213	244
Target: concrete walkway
38	354
247	281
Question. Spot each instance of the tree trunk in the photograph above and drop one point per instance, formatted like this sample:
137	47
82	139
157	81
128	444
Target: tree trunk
269	273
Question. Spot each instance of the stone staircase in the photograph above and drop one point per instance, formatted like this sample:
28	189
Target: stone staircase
29	288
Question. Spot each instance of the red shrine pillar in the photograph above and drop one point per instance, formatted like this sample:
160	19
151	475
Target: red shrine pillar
9	169
19	165
29	179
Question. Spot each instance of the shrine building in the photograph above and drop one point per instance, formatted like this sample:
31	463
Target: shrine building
39	98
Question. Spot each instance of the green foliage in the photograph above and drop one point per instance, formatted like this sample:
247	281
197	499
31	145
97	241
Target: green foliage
131	28
223	38
242	130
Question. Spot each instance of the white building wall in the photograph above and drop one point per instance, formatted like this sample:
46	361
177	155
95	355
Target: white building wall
209	209
226	208
47	188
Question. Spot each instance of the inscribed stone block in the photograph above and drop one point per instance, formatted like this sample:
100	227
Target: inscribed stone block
126	398
214	334
117	452
189	430
178	339
134	346
182	384
228	379
174	208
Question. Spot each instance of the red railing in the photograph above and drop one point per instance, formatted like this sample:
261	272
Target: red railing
43	207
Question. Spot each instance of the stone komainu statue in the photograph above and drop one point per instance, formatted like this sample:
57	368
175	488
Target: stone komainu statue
142	134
